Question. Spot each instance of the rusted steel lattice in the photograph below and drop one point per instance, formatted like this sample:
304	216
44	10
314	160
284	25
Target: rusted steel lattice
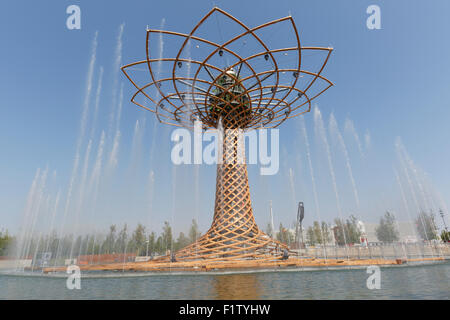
246	81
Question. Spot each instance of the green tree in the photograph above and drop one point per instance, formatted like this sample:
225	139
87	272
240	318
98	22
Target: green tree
152	243
108	244
194	233
5	242
346	232
181	242
339	232
317	232
284	236
167	237
321	232
426	226
352	230
121	242
310	236
326	237
92	246
159	245
445	236
138	240
386	230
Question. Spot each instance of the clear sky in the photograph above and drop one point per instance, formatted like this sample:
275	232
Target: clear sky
390	83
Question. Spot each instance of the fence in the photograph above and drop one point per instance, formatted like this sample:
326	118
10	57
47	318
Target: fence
385	251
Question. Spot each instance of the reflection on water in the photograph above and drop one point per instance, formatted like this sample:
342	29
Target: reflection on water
237	286
418	282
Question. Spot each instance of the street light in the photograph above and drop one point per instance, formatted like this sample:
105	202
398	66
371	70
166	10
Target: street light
300	216
148	241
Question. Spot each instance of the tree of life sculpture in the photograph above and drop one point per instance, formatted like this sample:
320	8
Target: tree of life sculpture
245	93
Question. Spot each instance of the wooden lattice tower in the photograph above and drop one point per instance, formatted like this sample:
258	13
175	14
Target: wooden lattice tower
233	233
231	99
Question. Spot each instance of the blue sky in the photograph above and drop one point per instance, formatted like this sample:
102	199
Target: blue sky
390	83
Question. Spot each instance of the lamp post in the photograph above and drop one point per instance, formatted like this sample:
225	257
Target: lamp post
148	241
300	216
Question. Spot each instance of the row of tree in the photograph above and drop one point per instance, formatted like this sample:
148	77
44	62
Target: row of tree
5	243
345	232
348	232
425	225
139	242
142	242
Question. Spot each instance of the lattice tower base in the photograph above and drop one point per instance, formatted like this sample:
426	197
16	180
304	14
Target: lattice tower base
233	234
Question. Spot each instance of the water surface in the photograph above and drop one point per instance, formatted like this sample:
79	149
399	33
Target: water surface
430	281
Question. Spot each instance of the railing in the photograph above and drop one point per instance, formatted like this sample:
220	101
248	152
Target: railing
381	251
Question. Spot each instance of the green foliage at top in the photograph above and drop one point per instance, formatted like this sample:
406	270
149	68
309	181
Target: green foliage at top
224	101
